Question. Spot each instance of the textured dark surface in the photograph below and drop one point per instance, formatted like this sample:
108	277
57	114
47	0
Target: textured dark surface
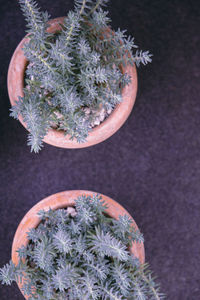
151	165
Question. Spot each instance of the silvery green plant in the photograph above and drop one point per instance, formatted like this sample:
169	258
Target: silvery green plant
81	253
76	68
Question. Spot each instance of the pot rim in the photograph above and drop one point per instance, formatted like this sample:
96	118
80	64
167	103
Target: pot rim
107	128
61	200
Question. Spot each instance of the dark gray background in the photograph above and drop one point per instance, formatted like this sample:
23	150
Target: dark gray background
151	165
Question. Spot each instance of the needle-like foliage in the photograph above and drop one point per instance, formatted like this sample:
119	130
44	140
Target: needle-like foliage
76	68
79	253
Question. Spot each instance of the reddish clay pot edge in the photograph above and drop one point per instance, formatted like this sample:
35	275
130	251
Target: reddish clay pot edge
61	200
97	135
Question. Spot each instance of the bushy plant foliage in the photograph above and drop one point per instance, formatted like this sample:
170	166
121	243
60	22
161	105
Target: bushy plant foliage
75	68
82	256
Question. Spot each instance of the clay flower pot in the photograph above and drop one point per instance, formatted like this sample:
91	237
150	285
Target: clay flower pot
98	134
62	200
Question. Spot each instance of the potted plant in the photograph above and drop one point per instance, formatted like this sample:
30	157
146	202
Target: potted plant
72	81
87	248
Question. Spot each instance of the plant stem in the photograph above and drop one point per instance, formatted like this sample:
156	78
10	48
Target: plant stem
83	6
95	7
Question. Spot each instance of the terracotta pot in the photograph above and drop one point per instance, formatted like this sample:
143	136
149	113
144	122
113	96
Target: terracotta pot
61	200
57	138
